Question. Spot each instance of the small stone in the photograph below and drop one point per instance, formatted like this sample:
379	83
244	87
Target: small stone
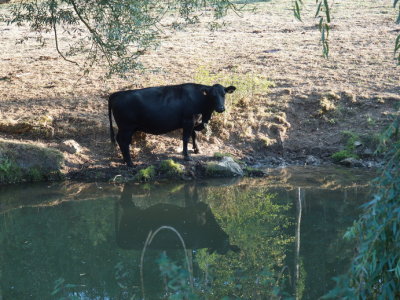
367	152
227	167
71	147
357	144
312	160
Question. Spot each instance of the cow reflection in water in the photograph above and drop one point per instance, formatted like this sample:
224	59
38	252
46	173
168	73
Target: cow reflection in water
195	222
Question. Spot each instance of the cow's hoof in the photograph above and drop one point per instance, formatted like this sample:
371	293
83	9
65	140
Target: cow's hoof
196	151
188	158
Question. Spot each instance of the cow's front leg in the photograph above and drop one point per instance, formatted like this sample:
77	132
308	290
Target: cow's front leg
187	132
124	138
195	147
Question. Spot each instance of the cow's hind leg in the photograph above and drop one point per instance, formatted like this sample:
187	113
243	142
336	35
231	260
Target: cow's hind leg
187	132
124	138
195	147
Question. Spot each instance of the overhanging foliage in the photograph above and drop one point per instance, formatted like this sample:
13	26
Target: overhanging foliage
114	31
375	270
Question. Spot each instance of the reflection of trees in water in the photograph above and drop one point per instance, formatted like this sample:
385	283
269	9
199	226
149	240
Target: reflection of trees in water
319	252
70	241
256	222
77	241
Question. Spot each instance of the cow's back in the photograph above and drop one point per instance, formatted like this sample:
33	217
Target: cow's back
154	110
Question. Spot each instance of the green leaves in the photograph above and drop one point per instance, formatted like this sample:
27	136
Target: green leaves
324	15
375	271
297	9
108	32
397	48
397	42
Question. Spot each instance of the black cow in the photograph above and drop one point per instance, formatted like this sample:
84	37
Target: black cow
159	110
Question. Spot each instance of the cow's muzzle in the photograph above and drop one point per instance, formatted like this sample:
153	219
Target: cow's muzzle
220	109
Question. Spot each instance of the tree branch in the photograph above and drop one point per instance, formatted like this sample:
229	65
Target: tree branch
92	31
56	39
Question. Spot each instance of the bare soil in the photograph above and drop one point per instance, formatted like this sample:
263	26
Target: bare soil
45	99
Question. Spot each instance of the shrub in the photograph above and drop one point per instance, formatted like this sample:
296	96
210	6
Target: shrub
374	272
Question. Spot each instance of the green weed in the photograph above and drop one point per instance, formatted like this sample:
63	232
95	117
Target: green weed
146	174
171	168
221	155
9	171
370	121
351	138
343	154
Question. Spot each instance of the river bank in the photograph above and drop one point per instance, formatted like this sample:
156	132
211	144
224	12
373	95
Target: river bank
292	106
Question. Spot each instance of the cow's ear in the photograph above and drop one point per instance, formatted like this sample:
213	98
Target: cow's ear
230	89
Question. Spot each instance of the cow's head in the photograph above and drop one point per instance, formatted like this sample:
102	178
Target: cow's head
217	95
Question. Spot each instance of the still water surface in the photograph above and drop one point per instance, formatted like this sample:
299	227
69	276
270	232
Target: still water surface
244	238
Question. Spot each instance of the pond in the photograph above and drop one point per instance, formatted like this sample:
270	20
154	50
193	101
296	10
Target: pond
243	238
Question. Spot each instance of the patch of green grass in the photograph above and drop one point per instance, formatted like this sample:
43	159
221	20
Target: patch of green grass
370	121
171	168
247	85
253	172
10	172
34	174
220	155
343	154
350	139
26	162
146	174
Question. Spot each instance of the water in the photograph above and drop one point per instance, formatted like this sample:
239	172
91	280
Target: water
243	238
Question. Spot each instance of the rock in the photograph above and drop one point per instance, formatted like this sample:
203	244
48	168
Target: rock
351	162
357	144
367	152
71	146
312	160
227	167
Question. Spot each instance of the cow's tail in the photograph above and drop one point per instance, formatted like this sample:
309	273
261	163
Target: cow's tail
112	136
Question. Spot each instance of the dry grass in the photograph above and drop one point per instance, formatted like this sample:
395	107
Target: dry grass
268	43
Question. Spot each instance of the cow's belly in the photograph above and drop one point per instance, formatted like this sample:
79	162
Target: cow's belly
160	122
158	126
156	131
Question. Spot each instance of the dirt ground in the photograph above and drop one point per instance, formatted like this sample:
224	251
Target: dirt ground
312	102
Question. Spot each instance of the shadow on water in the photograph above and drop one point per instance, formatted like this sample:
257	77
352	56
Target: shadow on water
85	241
